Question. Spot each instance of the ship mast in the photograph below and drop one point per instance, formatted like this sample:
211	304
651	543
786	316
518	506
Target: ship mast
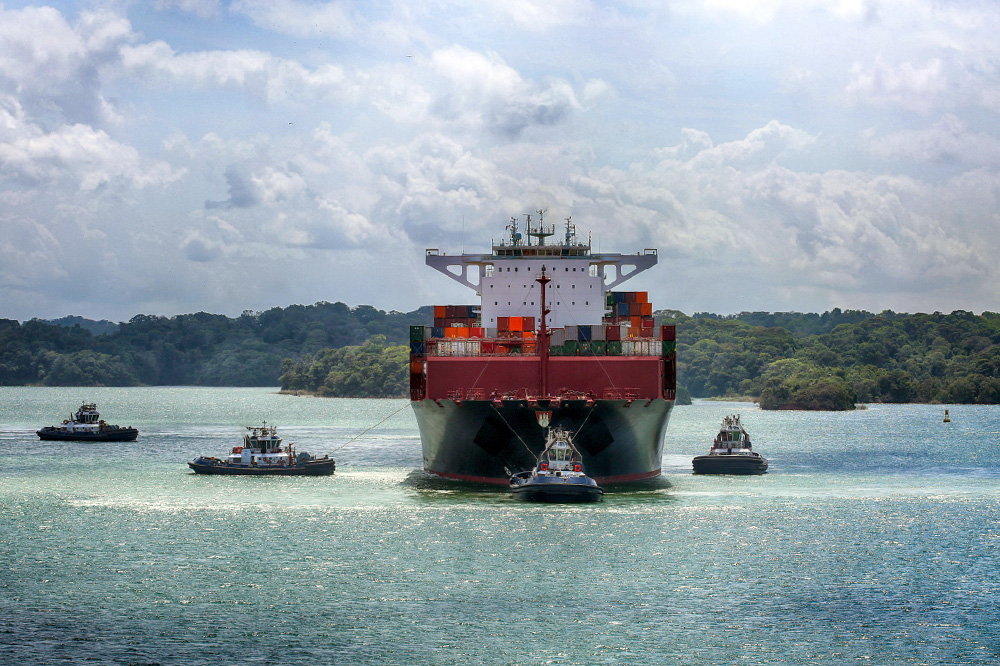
543	339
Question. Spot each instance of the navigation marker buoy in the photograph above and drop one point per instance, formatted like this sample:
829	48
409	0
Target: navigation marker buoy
947	419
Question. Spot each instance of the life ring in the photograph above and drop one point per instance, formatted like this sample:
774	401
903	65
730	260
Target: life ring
544	466
577	468
238	449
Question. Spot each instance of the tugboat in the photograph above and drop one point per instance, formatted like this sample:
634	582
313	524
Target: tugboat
86	425
731	452
558	476
263	455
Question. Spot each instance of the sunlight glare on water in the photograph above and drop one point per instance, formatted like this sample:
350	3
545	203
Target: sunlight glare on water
874	538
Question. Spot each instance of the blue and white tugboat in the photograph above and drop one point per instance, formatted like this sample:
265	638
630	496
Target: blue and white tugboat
87	425
558	476
731	452
263	455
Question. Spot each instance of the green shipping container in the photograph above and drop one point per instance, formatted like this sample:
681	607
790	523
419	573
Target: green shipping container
669	348
571	347
614	348
597	348
416	334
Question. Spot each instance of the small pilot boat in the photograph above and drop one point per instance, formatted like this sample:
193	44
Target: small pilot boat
263	455
558	476
87	426
731	452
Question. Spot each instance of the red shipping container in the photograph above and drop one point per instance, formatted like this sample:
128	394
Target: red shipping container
475	332
528	323
668	332
503	323
613	333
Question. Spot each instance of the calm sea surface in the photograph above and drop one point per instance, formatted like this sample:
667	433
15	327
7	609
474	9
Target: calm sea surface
873	539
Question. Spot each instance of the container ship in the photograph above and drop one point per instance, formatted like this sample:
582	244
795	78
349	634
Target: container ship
551	344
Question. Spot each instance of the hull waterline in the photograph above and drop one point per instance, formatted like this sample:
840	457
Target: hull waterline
620	441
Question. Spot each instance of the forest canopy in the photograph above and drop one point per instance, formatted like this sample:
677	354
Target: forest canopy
785	360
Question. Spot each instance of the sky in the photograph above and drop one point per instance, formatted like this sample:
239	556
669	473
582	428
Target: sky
179	156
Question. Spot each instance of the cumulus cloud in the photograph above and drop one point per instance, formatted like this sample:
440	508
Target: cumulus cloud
482	89
947	141
257	73
54	67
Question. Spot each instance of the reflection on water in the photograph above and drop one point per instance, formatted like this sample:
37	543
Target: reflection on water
874	538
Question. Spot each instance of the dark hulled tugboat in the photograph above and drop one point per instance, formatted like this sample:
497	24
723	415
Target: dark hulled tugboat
86	425
558	476
731	452
263	455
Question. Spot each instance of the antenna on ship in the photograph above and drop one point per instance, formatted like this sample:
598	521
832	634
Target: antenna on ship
570	230
540	232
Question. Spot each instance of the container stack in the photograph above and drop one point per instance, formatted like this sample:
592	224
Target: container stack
456	333
418	358
631	310
447	316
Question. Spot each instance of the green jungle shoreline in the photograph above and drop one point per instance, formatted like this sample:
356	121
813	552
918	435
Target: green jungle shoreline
782	360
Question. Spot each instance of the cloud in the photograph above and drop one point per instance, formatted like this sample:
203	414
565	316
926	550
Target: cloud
242	191
256	73
482	89
948	141
54	68
73	154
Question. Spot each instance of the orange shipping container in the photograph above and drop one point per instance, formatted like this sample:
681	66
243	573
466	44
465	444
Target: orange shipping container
416	367
516	324
439	312
647	309
642	297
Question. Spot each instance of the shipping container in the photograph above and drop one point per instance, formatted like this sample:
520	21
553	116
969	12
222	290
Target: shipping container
612	332
417	334
598	347
668	332
614	347
571	346
503	324
597	332
584	333
476	332
528	323
440	312
516	324
557	336
418	348
417	367
669	348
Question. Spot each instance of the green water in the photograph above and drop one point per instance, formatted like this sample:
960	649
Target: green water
873	539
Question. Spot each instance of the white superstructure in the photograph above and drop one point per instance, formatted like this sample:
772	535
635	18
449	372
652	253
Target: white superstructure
506	278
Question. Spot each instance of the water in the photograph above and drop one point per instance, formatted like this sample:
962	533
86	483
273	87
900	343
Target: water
873	539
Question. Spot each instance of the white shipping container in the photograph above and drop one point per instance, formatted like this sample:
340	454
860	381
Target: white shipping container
558	337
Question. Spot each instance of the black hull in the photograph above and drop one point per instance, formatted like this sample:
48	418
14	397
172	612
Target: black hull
477	441
312	468
117	435
549	492
727	464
